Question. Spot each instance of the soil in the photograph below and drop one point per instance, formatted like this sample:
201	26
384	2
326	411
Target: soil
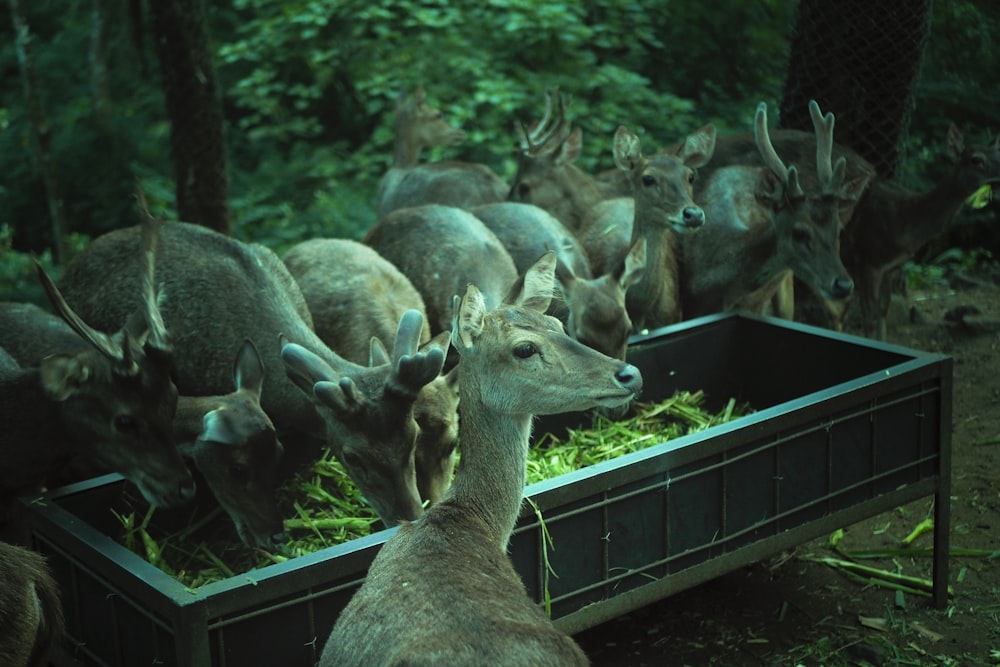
790	611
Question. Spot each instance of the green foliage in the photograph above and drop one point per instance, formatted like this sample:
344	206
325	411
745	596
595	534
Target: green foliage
18	280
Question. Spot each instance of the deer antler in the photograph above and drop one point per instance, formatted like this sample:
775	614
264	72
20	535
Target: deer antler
788	175
150	303
831	177
412	369
546	135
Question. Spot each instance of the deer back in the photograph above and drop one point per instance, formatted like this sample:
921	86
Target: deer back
443	590
355	296
219	292
408	182
31	607
441	249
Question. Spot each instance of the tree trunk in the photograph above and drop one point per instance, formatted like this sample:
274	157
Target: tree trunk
42	131
860	60
196	140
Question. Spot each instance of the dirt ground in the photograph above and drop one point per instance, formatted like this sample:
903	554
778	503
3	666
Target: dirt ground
789	611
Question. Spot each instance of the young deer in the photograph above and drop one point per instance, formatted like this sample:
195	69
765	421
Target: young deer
229	437
664	210
441	249
762	224
443	590
357	298
31	615
219	292
891	223
411	183
591	308
113	401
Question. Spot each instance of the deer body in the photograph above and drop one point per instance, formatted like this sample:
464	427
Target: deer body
441	249
891	223
356	295
219	292
411	183
30	608
442	590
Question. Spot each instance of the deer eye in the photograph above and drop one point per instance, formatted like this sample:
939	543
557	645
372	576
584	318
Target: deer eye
648	180
692	177
125	424
978	160
525	350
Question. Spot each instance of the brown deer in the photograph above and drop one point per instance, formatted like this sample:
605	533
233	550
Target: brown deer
220	291
763	224
892	223
442	590
661	183
357	298
592	309
441	249
229	437
30	608
663	211
408	182
112	402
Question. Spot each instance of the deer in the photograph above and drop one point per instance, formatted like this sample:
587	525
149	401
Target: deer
229	437
112	401
408	182
442	590
592	308
357	298
662	197
220	291
764	227
441	249
30	608
892	223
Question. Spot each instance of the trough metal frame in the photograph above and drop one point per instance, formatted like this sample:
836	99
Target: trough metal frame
150	612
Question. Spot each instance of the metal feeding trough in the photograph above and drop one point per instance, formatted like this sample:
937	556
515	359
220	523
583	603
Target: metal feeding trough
844	428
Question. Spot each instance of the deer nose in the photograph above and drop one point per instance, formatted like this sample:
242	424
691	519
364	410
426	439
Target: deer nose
693	216
629	377
842	288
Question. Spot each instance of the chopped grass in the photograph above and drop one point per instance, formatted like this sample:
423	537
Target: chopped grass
324	508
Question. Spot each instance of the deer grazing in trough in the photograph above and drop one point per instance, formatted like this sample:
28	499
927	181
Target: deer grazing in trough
382	398
408	182
762	225
591	308
357	299
229	437
112	402
442	590
31	615
441	249
892	223
220	291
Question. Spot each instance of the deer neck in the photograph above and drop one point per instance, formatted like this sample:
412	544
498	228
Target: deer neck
655	296
739	260
189	418
406	152
491	475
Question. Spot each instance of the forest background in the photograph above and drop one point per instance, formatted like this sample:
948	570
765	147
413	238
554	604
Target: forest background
304	94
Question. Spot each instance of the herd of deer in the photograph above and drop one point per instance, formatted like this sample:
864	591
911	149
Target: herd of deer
174	342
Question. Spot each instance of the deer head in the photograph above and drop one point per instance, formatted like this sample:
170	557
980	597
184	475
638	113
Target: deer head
369	414
418	126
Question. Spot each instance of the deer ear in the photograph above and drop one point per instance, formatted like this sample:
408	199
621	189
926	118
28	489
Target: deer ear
699	147
539	284
634	266
377	354
627	149
62	375
248	370
470	314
